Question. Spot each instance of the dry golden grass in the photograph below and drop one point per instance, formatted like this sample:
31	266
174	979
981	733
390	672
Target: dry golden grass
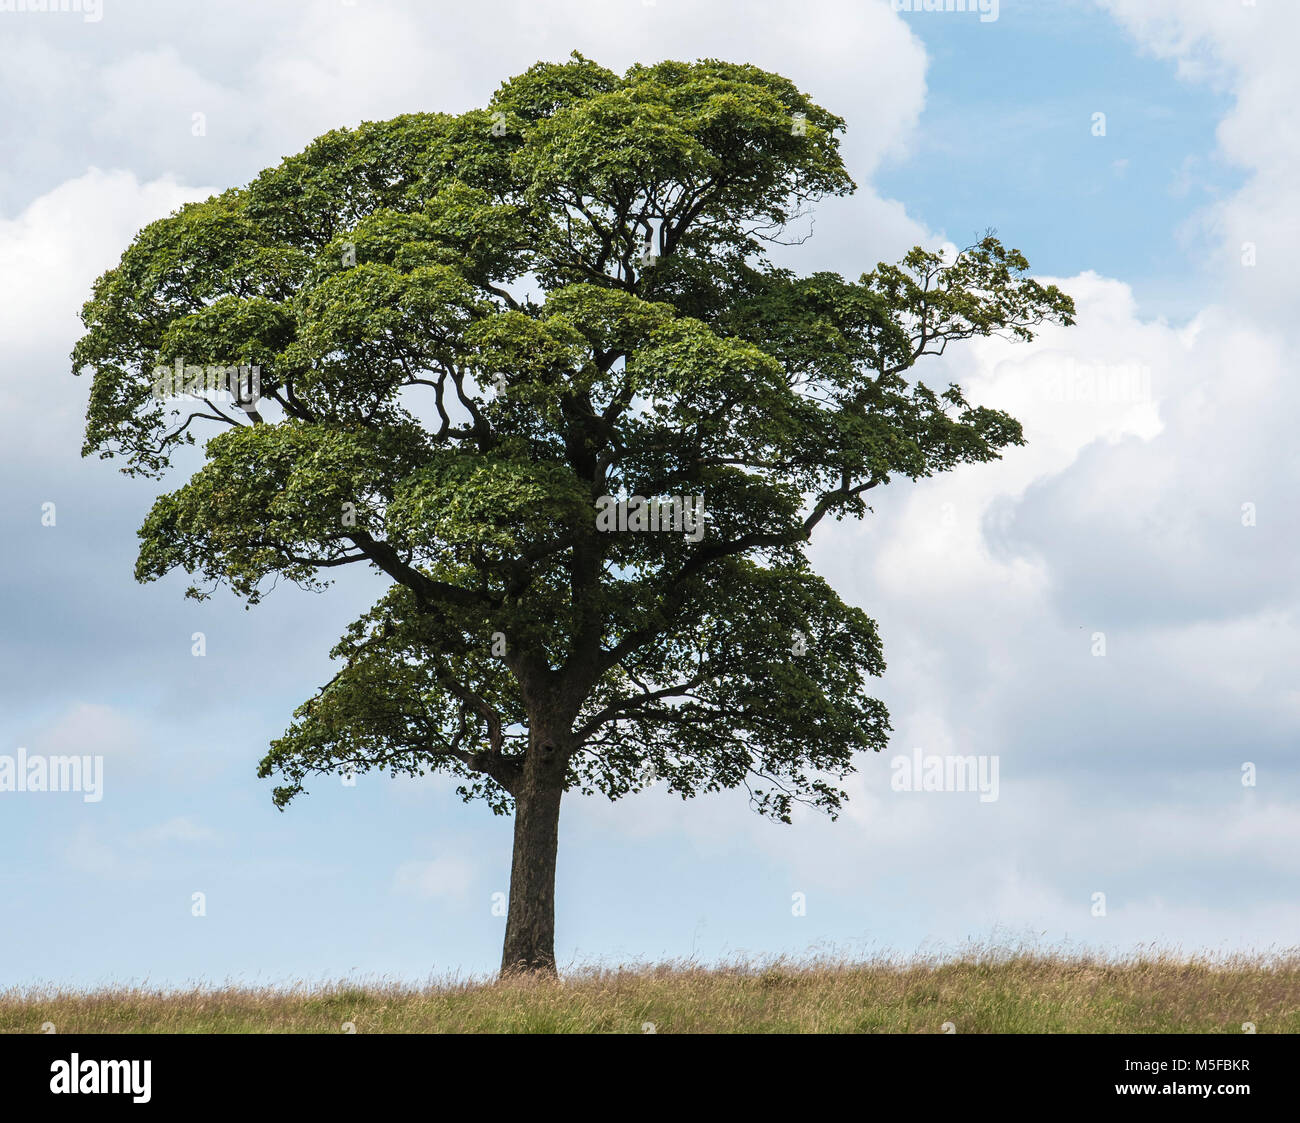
983	992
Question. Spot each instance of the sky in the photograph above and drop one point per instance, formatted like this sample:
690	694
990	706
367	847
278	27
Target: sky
1108	615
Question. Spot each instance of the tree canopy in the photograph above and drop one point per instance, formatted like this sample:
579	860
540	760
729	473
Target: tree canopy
470	329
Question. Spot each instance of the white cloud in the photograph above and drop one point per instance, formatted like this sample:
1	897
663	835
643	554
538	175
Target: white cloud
178	829
1119	774
50	255
1246	50
52	252
90	728
444	876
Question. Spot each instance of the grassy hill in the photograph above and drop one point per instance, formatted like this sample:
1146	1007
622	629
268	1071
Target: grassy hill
1012	993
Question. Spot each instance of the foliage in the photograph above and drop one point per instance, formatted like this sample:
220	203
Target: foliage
471	328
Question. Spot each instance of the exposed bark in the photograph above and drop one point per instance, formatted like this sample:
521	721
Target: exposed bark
530	920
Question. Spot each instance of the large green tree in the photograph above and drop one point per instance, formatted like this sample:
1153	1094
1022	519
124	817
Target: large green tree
474	333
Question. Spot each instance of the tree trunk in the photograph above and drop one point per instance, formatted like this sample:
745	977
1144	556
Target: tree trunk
530	920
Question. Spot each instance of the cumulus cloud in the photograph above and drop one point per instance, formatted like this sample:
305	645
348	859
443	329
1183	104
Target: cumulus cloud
1245	50
1123	515
50	254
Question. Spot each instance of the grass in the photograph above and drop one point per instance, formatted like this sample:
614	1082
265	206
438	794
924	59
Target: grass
982	992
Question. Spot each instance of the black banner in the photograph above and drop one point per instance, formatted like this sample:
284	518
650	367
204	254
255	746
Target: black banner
367	1070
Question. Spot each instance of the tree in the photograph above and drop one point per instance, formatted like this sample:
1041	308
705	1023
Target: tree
496	350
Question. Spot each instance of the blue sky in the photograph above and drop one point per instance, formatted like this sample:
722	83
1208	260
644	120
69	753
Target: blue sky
1008	125
1120	774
